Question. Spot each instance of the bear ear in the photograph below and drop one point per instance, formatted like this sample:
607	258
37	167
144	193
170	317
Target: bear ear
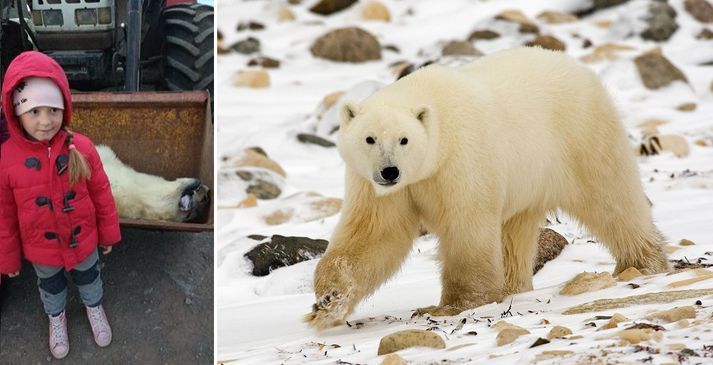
349	111
422	113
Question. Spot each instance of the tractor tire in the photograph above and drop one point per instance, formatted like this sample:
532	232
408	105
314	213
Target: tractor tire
188	47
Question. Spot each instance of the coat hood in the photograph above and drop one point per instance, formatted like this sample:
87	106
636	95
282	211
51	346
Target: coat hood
33	64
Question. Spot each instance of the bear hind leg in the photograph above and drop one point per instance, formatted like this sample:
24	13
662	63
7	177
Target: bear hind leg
519	237
624	225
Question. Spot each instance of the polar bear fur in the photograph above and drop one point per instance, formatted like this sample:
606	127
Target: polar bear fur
142	196
492	147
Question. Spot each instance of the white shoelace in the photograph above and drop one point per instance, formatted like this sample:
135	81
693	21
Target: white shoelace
58	330
98	320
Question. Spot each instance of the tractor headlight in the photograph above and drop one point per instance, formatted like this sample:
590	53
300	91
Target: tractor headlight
53	17
37	17
85	16
105	15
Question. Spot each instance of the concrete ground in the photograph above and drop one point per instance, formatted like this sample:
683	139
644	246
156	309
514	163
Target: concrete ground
158	295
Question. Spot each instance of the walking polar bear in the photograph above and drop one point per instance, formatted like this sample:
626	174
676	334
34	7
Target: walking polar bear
479	154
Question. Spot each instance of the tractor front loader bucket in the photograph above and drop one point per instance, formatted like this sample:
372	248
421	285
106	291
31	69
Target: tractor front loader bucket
169	134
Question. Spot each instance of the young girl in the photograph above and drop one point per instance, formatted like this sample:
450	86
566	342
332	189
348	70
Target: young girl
55	200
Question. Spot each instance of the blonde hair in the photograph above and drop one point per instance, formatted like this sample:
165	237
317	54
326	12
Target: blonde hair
78	168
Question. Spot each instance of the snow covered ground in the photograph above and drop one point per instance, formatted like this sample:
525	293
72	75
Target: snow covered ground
259	319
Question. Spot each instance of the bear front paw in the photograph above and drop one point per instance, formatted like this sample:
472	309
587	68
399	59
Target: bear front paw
440	310
329	311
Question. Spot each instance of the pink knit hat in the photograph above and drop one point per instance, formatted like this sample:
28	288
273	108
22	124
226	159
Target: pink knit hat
36	91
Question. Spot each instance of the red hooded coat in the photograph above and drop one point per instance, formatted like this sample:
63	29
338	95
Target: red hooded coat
40	213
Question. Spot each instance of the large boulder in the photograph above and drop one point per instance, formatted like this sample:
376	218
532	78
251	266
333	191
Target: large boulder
657	71
328	7
282	251
660	23
701	10
549	246
350	44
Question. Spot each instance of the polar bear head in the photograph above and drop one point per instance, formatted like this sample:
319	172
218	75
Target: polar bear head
390	146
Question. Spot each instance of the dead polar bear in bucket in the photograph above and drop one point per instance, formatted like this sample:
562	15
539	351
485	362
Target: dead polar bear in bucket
480	154
143	196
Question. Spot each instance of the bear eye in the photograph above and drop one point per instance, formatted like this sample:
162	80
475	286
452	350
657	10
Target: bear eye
404	141
370	140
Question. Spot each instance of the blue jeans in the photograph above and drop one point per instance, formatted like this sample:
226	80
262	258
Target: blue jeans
52	283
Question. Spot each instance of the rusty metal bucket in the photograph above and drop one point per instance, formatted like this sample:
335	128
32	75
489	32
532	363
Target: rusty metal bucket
169	134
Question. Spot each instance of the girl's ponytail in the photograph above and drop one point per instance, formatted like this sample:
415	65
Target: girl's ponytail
78	167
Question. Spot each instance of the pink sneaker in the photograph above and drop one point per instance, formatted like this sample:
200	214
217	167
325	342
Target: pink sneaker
59	340
100	325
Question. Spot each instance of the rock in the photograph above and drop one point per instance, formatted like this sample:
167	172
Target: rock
603	23
350	44
650	298
678	284
556	17
374	10
701	10
250	25
501	325
670	249
247	46
330	99
686	242
264	189
597	5
651	123
252	157
328	7
547	42
614	321
660	23
517	16
393	359
482	34
410	338
509	335
259	183
607	51
586	282
256	79
284	14
656	71
548	355
673	315
539	342
249	202
313	139
629	274
303	208
460	48
686	107
558	331
705	34
265	62
549	246
283	251
635	336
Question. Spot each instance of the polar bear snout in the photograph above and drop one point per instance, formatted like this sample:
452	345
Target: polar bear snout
388	176
194	201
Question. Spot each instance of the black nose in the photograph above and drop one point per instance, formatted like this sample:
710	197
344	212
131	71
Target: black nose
390	173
